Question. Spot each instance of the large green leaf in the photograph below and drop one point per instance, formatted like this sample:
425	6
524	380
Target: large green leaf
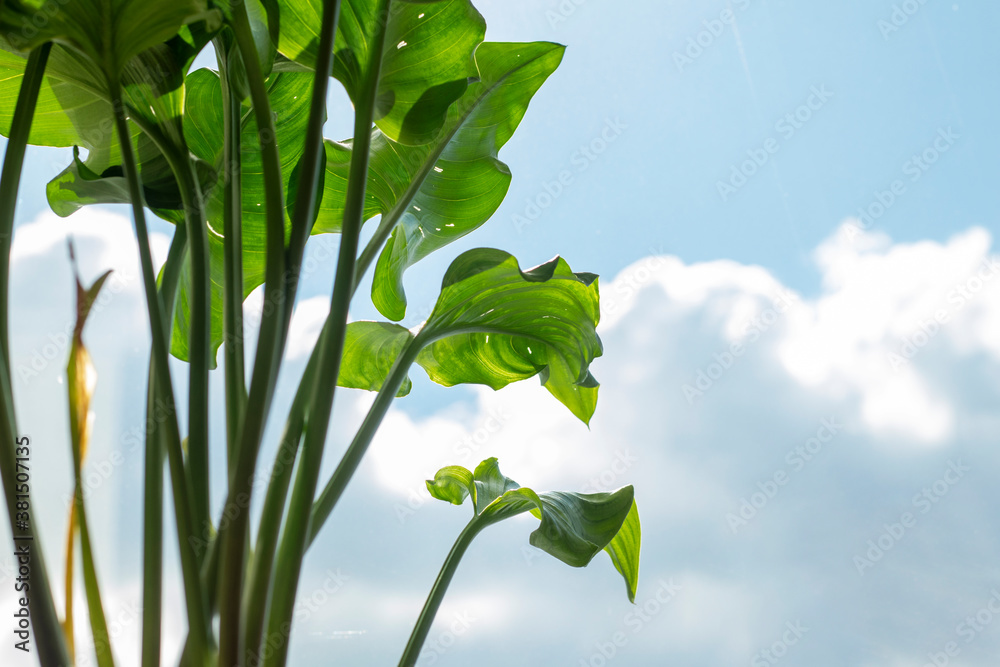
494	324
432	195
108	33
427	59
73	106
574	526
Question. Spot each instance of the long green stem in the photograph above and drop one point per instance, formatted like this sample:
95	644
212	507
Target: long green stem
95	608
232	244
331	344
309	176
199	345
51	643
152	522
258	587
427	614
267	360
359	445
182	511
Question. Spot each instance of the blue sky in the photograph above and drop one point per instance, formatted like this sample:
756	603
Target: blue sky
871	451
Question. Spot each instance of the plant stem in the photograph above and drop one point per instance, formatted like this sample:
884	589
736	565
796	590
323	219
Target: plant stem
327	500
259	578
95	609
152	523
257	590
309	177
268	356
49	637
232	244
182	511
427	614
331	346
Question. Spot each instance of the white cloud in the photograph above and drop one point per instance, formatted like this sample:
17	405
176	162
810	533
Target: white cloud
693	458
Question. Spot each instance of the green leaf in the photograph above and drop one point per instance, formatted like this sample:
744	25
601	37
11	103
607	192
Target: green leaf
624	551
432	195
574	527
78	185
466	183
370	350
289	93
494	324
73	107
454	483
108	33
427	59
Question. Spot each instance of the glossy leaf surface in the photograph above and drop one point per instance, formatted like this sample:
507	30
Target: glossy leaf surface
426	61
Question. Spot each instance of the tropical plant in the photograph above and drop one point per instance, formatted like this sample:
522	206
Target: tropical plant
236	160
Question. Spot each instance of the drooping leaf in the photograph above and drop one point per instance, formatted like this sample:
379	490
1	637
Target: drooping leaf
624	551
437	193
78	185
427	59
574	527
370	350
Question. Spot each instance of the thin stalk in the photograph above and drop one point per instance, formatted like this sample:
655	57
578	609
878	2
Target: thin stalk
427	614
199	348
309	176
259	577
50	642
232	248
68	624
324	505
152	521
268	357
193	595
13	162
331	344
257	591
95	609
